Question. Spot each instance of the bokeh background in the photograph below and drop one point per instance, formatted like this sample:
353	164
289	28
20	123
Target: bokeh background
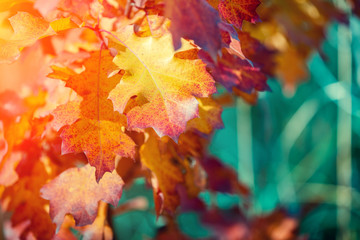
296	150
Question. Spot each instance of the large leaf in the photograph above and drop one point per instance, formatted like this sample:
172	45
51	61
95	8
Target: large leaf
233	72
166	84
92	126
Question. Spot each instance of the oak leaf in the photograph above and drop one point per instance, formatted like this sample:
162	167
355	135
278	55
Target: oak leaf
95	128
100	141
233	72
27	30
76	192
222	178
258	53
236	11
66	114
209	116
196	20
154	156
168	85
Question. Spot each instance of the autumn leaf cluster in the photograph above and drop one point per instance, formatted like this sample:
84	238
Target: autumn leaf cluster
105	92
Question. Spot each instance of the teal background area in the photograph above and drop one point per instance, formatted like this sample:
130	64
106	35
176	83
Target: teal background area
294	151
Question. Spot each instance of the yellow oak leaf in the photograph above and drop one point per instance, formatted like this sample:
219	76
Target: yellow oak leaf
169	84
27	29
155	156
209	116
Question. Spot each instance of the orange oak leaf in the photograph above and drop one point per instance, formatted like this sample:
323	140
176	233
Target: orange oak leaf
100	141
92	125
167	84
80	8
209	116
76	192
96	81
40	226
235	11
172	169
66	114
192	144
154	155
196	20
27	30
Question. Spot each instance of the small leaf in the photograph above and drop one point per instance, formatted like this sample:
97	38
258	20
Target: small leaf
235	11
76	192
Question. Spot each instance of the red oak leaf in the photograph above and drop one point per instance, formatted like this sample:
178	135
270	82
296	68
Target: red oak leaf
235	11
222	178
196	20
233	72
